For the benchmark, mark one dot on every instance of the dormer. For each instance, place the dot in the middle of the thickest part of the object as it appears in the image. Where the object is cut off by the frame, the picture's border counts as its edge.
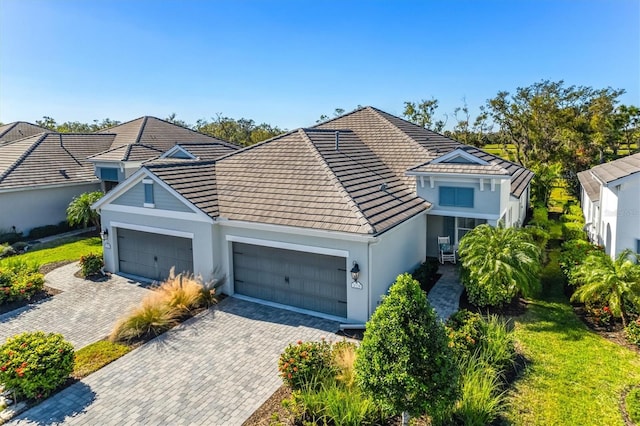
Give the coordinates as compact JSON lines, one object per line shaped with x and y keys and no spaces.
{"x":179,"y":153}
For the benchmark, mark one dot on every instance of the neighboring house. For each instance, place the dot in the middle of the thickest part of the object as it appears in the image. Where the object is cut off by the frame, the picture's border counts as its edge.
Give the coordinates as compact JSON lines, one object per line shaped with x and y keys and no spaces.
{"x":140,"y":140}
{"x":19,"y":130}
{"x":610,"y":197}
{"x":40,"y":175}
{"x":288,"y":220}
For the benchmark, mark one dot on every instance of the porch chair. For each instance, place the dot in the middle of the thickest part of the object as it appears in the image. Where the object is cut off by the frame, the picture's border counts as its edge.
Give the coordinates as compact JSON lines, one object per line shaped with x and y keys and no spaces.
{"x":447,"y":253}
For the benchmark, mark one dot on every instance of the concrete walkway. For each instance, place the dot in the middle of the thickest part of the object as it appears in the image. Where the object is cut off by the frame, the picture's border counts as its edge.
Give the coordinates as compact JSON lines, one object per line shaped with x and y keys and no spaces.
{"x":445,"y":295}
{"x":215,"y":369}
{"x":83,"y":313}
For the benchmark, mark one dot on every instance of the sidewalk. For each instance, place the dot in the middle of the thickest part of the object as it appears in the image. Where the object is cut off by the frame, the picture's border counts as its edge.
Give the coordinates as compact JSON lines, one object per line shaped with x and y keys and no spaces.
{"x":445,"y":295}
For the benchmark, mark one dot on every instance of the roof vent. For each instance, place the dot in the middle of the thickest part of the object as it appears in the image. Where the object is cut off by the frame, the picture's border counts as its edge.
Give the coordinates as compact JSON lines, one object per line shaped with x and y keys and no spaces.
{"x":384,"y":186}
{"x":337,"y":140}
{"x":64,"y":174}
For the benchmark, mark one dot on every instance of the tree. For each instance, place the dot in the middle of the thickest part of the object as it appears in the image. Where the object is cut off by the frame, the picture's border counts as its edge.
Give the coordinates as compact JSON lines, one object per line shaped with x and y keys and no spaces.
{"x":76,"y":126}
{"x":243,"y":131}
{"x":498,"y":263}
{"x":172,"y":119}
{"x":423,"y":114}
{"x":336,"y":113}
{"x":542,"y":183}
{"x":404,"y":361}
{"x":467,"y":132}
{"x":80,"y":211}
{"x":610,"y":281}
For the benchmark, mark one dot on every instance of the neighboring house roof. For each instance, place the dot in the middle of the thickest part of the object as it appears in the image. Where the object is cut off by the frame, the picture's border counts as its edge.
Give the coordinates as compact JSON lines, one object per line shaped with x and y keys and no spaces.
{"x":19,"y":130}
{"x":196,"y":152}
{"x":590,"y":185}
{"x":403,"y":145}
{"x":138,"y":152}
{"x":604,"y":174}
{"x":50,"y":159}
{"x":617,"y":169}
{"x":151,"y":132}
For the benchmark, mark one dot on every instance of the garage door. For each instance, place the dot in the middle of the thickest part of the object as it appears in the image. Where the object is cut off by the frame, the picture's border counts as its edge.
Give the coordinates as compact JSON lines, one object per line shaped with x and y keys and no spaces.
{"x":304,"y":280}
{"x":152,"y":255}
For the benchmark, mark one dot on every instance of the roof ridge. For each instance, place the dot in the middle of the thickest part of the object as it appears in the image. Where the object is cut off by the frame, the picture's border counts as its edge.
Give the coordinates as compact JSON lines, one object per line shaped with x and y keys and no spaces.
{"x":11,"y":126}
{"x":24,"y":155}
{"x":341,"y":189}
{"x":340,"y":116}
{"x":141,"y":130}
{"x":259,"y":144}
{"x":397,"y":129}
{"x":179,"y":163}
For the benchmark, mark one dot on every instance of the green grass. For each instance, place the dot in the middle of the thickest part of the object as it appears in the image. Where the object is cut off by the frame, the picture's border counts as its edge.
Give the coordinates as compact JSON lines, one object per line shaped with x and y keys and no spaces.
{"x":95,"y":356}
{"x":71,"y":248}
{"x":573,"y":375}
{"x":633,"y":404}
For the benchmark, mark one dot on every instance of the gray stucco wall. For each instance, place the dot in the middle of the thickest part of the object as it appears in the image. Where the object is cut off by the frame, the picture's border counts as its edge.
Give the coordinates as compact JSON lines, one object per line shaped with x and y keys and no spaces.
{"x":163,"y":200}
{"x":31,"y":208}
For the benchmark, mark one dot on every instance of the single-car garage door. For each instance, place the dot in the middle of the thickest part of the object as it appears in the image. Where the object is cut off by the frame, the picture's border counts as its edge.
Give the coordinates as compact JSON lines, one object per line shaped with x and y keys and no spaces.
{"x":152,"y":255}
{"x":305,"y":280}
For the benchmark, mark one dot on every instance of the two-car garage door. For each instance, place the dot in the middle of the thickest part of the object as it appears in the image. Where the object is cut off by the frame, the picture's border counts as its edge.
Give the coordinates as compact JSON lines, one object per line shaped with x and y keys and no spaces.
{"x":316,"y":282}
{"x":150,"y":255}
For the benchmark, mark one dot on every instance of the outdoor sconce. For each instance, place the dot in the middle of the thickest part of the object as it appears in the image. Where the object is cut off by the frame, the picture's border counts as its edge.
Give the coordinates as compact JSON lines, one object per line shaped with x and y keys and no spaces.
{"x":355,"y":274}
{"x":104,"y":234}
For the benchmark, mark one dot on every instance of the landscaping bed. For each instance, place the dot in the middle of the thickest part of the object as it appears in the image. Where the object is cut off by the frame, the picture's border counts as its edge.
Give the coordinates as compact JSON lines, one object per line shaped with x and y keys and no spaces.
{"x":38,"y":297}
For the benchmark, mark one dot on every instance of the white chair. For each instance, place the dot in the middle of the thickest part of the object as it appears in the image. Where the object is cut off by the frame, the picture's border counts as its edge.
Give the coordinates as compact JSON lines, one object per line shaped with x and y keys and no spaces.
{"x":447,"y":253}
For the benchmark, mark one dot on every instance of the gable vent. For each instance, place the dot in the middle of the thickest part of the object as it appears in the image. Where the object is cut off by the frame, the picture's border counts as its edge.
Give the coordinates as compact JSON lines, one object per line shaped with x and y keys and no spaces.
{"x":337,"y":140}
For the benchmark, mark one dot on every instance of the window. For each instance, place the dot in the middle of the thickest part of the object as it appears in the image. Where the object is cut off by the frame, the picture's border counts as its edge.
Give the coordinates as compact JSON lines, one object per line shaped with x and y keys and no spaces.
{"x":148,"y":193}
{"x":456,"y":197}
{"x":638,"y":246}
{"x":109,"y":174}
{"x":466,"y":224}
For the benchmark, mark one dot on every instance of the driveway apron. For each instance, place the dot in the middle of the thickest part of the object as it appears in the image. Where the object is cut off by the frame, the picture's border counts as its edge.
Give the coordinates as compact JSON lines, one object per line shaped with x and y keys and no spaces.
{"x":83,"y":313}
{"x":214,"y":369}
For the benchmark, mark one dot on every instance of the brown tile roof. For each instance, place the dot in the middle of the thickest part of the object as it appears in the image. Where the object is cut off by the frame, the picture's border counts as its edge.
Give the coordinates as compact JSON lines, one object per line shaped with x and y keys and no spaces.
{"x":403,"y":145}
{"x":50,"y":159}
{"x":458,"y":168}
{"x":201,"y":152}
{"x":155,"y":133}
{"x":131,"y":152}
{"x":590,"y":184}
{"x":194,"y":181}
{"x":19,"y":130}
{"x":617,"y":169}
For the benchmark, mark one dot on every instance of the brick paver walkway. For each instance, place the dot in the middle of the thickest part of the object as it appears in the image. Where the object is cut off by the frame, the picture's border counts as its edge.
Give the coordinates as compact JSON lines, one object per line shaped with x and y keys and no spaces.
{"x":215,"y":369}
{"x":83,"y":313}
{"x":445,"y":295}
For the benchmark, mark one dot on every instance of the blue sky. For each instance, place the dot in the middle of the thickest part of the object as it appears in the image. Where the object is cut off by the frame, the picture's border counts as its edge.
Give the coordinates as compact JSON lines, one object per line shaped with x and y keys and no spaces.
{"x":288,"y":62}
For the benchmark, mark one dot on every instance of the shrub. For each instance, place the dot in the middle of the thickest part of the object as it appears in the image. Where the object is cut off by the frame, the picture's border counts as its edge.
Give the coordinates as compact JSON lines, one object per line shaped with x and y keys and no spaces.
{"x":35,"y":364}
{"x":404,"y":361}
{"x":6,"y":250}
{"x":182,"y":293}
{"x":344,"y":358}
{"x":539,"y":235}
{"x":335,"y":404}
{"x":465,"y":330}
{"x":426,"y":271}
{"x":48,"y":230}
{"x":306,"y":364}
{"x":19,"y":280}
{"x":498,"y":346}
{"x":91,"y":264}
{"x":573,"y":254}
{"x":632,"y":332}
{"x":632,"y":402}
{"x":10,"y":237}
{"x":573,"y":231}
{"x":152,"y":318}
{"x":481,"y":400}
{"x":540,"y":217}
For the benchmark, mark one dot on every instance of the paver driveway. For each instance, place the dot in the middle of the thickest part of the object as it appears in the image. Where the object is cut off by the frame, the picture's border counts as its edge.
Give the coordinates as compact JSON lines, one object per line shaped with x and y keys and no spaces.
{"x":215,"y":369}
{"x":83,"y":313}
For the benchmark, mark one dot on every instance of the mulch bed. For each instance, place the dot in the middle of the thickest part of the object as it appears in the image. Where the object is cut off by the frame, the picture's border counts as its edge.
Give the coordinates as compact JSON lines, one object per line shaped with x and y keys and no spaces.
{"x":613,"y":332}
{"x":38,"y":297}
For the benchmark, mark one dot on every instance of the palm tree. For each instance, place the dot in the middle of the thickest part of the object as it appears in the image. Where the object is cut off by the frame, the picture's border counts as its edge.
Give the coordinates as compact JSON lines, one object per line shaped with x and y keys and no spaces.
{"x":80,"y":211}
{"x":611,"y":281}
{"x":498,"y":263}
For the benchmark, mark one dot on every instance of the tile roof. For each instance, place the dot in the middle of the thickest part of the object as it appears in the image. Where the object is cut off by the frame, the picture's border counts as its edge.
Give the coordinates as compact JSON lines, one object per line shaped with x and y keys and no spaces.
{"x":50,"y":159}
{"x":617,"y":169}
{"x":131,"y":152}
{"x":19,"y":130}
{"x":201,"y":152}
{"x":154,"y":133}
{"x":592,"y":179}
{"x":590,"y":184}
{"x":464,"y":168}
{"x":403,"y":145}
{"x":196,"y":181}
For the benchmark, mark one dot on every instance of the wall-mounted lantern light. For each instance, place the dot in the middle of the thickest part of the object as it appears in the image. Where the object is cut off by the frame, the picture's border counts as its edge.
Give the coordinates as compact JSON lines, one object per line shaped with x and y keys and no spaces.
{"x":355,"y":272}
{"x":104,"y":234}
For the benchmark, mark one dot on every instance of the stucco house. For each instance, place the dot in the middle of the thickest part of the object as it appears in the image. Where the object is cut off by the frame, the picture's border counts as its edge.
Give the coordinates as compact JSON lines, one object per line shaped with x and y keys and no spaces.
{"x":610,"y":199}
{"x":289,"y":220}
{"x":41,"y":171}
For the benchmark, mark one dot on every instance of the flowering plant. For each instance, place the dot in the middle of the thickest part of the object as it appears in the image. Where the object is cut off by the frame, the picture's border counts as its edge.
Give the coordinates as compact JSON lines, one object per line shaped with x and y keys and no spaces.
{"x":306,"y":363}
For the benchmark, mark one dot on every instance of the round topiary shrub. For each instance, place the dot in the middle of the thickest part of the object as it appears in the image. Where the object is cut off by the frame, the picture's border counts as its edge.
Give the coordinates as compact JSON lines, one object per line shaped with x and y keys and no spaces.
{"x":91,"y":264}
{"x":34,"y":364}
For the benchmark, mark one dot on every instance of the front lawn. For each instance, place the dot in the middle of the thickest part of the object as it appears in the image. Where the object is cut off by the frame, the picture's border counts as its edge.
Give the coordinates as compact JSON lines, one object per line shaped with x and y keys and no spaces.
{"x":573,"y":375}
{"x":68,"y":249}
